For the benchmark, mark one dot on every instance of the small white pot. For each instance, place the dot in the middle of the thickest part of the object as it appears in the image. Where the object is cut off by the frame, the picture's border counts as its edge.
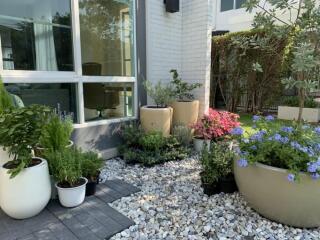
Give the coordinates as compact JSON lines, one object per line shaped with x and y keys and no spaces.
{"x":200,"y":143}
{"x":72,"y":197}
{"x":4,"y":156}
{"x":27,"y":194}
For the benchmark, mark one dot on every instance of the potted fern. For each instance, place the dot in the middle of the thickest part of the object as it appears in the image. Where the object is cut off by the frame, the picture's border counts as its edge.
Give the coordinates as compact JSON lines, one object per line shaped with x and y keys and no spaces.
{"x":5,"y":103}
{"x":185,"y":108}
{"x":25,"y":187}
{"x":157,"y":117}
{"x":67,"y":172}
{"x":91,"y":165}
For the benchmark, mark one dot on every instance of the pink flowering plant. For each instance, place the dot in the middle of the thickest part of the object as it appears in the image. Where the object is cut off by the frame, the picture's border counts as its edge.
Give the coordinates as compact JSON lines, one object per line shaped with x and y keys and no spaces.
{"x":215,"y":124}
{"x":293,"y":147}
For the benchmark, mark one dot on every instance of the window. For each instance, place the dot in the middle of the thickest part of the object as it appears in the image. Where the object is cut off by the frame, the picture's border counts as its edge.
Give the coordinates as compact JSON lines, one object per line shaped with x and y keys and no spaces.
{"x":75,"y":54}
{"x":227,"y":5}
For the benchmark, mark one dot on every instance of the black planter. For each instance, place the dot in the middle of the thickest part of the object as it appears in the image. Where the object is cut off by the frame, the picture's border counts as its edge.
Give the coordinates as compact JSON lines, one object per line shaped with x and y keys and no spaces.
{"x":91,"y":188}
{"x":210,"y":189}
{"x":228,"y":184}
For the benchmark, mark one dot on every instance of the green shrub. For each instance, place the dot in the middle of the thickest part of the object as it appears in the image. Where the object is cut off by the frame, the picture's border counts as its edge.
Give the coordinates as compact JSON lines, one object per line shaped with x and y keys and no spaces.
{"x":91,"y":164}
{"x":152,"y":141}
{"x":5,"y":98}
{"x":162,"y":95}
{"x":293,"y":101}
{"x":183,"y":134}
{"x":56,"y":133}
{"x":131,"y":134}
{"x":66,"y":166}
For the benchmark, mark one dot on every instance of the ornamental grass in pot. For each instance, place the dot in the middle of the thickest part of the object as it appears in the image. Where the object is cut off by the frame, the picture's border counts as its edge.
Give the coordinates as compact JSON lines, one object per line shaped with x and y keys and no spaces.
{"x":24,"y":182}
{"x":67,"y":172}
{"x":157,"y":117}
{"x":185,"y":107}
{"x":278,"y":170}
{"x":91,"y":165}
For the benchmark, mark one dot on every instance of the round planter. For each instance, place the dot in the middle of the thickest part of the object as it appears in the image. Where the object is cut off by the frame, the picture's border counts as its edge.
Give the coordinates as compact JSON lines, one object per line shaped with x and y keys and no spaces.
{"x":91,"y":187}
{"x":28,"y":193}
{"x":156,"y":119}
{"x":268,"y":191}
{"x":228,"y":184}
{"x":72,"y":197}
{"x":200,"y":143}
{"x":185,"y":113}
{"x":4,"y":156}
{"x":39,"y":151}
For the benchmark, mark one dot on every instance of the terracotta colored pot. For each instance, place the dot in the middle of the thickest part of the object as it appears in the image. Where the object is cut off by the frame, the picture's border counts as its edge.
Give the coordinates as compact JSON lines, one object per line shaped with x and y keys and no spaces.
{"x":185,"y":113}
{"x":156,"y":119}
{"x":268,"y":191}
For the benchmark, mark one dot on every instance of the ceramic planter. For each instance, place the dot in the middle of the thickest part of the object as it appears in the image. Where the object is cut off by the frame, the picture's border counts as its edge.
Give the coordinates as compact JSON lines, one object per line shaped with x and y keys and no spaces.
{"x":268,"y":191}
{"x":156,"y":119}
{"x":292,"y":113}
{"x":28,"y":193}
{"x":185,"y":113}
{"x":200,"y":143}
{"x":72,"y":197}
{"x":39,"y":151}
{"x":4,"y":156}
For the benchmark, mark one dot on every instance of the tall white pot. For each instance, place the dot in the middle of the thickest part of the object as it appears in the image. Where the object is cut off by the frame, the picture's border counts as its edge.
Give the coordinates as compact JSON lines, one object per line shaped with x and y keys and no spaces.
{"x":28,"y":193}
{"x":4,"y":156}
{"x":200,"y":143}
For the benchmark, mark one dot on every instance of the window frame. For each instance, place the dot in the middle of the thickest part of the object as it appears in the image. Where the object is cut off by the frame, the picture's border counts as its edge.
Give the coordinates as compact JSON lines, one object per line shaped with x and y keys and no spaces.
{"x":233,"y":8}
{"x":75,"y":76}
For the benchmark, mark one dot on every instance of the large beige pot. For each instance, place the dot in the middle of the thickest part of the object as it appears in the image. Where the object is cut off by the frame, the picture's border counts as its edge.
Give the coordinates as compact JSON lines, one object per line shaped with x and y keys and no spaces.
{"x":156,"y":119}
{"x":185,"y":113}
{"x":268,"y":191}
{"x":292,"y":113}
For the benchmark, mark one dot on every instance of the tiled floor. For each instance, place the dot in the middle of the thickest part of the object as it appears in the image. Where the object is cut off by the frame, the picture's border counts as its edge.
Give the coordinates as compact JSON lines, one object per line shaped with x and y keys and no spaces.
{"x":93,"y":220}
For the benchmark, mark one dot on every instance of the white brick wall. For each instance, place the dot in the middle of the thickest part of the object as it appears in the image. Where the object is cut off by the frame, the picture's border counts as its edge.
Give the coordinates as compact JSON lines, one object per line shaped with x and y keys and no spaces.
{"x":182,"y":41}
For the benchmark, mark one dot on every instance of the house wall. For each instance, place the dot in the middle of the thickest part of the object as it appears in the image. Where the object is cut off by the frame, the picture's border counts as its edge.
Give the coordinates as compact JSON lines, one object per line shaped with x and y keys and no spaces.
{"x":180,"y":41}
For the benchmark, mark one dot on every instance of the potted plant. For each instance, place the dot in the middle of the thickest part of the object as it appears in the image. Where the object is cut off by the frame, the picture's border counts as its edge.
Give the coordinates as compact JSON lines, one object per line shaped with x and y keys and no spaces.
{"x":67,"y":172}
{"x":289,"y":109}
{"x":24,"y":182}
{"x":157,"y":117}
{"x":91,"y":164}
{"x":5,"y":103}
{"x":211,"y":126}
{"x":277,"y":171}
{"x":185,"y":108}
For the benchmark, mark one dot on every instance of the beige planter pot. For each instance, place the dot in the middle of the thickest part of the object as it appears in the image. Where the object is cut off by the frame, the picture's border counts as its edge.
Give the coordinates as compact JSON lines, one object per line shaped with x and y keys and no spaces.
{"x":156,"y":119}
{"x":4,"y":156}
{"x":185,"y":113}
{"x":39,"y":151}
{"x":268,"y":191}
{"x":292,"y":113}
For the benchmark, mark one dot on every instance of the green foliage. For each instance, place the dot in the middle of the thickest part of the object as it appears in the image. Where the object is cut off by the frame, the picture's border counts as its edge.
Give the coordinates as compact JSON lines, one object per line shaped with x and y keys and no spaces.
{"x":91,"y":163}
{"x":5,"y":98}
{"x":131,"y":134}
{"x":183,"y":134}
{"x":293,"y":101}
{"x":162,"y":95}
{"x":56,"y":133}
{"x":182,"y":90}
{"x":20,"y":130}
{"x":150,"y":149}
{"x":217,"y":162}
{"x":66,"y":166}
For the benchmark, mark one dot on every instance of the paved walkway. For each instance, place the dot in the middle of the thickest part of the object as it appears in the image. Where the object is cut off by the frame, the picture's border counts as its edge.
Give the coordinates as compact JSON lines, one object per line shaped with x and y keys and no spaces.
{"x":93,"y":220}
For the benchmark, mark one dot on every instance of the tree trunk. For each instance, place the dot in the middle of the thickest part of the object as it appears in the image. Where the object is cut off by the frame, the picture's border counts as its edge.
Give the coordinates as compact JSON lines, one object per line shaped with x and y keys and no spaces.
{"x":302,"y":96}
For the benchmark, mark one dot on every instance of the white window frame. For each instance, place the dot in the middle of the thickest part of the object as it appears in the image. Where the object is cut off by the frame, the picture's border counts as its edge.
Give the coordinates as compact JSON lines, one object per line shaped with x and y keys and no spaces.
{"x":22,"y":76}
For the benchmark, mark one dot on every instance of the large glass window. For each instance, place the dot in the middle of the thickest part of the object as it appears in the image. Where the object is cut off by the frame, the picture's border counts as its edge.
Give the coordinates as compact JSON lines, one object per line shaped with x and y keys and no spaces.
{"x":107,"y":37}
{"x":36,"y":35}
{"x":108,"y":100}
{"x":61,"y":96}
{"x":227,"y":5}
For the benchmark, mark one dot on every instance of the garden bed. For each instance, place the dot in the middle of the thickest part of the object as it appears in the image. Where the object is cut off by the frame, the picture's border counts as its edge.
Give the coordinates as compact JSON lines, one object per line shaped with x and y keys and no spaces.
{"x":171,"y":205}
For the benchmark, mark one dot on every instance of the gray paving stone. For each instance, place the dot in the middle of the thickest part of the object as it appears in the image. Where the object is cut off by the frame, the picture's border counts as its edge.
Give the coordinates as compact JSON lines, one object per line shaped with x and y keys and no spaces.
{"x":93,"y":220}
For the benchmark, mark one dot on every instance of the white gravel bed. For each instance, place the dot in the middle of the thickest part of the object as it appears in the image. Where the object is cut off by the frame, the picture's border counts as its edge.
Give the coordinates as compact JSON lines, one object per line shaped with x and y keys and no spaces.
{"x":171,"y":205}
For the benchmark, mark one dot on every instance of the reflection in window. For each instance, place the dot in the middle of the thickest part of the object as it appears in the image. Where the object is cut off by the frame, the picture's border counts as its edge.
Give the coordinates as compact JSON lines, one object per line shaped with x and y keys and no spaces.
{"x":226,"y":5}
{"x":107,"y":37}
{"x":36,"y":35}
{"x":58,"y":95}
{"x":108,"y":100}
{"x":239,"y":3}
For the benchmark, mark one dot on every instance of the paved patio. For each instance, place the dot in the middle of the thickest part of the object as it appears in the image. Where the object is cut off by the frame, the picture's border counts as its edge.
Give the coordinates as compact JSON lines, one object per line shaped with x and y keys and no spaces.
{"x":93,"y":220}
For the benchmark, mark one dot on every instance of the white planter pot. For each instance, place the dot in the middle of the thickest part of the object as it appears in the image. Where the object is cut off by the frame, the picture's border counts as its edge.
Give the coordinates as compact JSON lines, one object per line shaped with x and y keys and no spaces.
{"x":4,"y":156}
{"x":39,"y":150}
{"x":28,"y":193}
{"x":72,"y":197}
{"x":200,"y":143}
{"x":292,"y":113}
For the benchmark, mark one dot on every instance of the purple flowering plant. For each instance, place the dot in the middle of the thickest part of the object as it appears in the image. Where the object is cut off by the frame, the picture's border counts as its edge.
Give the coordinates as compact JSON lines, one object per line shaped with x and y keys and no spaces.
{"x":287,"y":146}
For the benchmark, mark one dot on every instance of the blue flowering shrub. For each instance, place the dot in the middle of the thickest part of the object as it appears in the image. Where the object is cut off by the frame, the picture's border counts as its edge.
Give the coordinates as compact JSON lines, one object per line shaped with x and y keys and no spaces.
{"x":293,"y":147}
